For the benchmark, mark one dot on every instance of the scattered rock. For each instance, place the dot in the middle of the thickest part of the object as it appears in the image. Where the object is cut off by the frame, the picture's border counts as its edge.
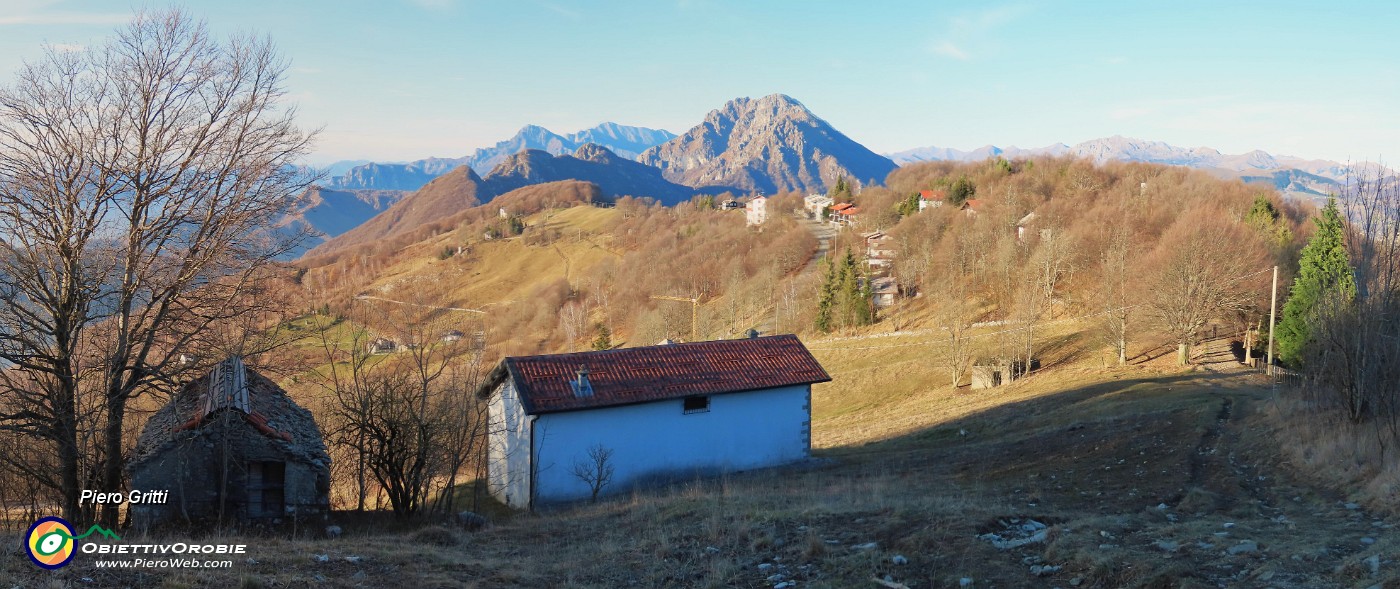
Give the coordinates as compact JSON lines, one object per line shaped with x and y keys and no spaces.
{"x":332,"y":531}
{"x":359,"y":576}
{"x":1167,"y":545}
{"x":1161,"y":507}
{"x":471,"y":521}
{"x":1373,"y":562}
{"x":1244,"y":547}
{"x":319,"y":578}
{"x":1228,"y":525}
{"x":777,"y":578}
{"x":322,"y":558}
{"x":1105,"y":534}
{"x":866,"y":546}
{"x":899,"y":560}
{"x":785,"y":585}
{"x":764,"y":567}
{"x":353,"y":559}
{"x":1077,"y":581}
{"x":1042,"y":570}
{"x":1205,"y":546}
{"x":1352,"y":506}
{"x":832,"y":542}
{"x":1004,"y":544}
{"x":711,"y":550}
{"x":965,"y":582}
{"x":1368,"y":540}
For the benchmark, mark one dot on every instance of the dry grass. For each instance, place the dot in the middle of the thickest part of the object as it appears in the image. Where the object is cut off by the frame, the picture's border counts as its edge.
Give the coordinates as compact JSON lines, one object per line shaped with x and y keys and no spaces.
{"x":921,"y":472}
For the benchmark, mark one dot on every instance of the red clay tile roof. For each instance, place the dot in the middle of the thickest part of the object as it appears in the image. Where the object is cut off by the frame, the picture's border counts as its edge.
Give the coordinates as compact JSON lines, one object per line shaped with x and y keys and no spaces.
{"x":932,"y":194}
{"x":654,"y":373}
{"x":841,"y":206}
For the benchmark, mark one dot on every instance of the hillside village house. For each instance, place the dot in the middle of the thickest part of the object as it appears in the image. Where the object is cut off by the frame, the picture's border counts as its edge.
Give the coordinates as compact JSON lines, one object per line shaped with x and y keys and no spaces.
{"x":879,"y":249}
{"x":381,"y":345}
{"x":231,"y":444}
{"x":883,"y":291}
{"x":815,"y":204}
{"x":844,"y":213}
{"x":663,"y":412}
{"x":757,"y":210}
{"x":931,"y":198}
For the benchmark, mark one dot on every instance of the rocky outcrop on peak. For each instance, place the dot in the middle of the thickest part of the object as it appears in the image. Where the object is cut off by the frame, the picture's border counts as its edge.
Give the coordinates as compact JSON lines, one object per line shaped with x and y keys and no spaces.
{"x":768,"y":144}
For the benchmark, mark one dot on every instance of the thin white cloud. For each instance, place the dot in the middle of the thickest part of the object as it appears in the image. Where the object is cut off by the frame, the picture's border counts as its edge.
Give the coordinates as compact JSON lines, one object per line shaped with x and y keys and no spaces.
{"x":972,"y":33}
{"x":562,"y":10}
{"x":434,"y":4}
{"x":948,"y":49}
{"x":66,"y":18}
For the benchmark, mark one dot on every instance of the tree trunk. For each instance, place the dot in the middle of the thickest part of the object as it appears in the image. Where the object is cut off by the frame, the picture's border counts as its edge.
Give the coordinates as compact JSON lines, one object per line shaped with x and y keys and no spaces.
{"x":1183,"y":354}
{"x":112,"y":461}
{"x":67,"y":435}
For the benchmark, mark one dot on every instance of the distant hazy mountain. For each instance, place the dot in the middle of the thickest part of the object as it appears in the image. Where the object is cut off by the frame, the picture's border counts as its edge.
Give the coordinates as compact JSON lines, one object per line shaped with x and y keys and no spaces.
{"x":449,"y":194}
{"x":444,"y":196}
{"x":328,"y":213}
{"x":620,"y":139}
{"x":339,"y":168}
{"x":1291,"y":175}
{"x":626,"y":142}
{"x":768,"y":144}
{"x":613,"y":175}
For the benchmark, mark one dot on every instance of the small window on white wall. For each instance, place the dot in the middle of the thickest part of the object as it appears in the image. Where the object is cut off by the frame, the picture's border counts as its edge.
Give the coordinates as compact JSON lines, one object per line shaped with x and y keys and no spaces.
{"x":698,"y":404}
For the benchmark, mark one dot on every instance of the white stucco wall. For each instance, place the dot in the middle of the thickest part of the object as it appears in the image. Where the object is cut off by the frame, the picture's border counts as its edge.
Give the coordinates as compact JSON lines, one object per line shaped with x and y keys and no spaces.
{"x":740,"y":431}
{"x":508,"y":461}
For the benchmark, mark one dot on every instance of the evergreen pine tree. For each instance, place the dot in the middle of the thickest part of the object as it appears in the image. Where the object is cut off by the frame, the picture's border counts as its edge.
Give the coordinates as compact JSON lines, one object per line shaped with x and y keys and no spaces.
{"x":604,"y":339}
{"x":1324,"y":270}
{"x":826,"y":295}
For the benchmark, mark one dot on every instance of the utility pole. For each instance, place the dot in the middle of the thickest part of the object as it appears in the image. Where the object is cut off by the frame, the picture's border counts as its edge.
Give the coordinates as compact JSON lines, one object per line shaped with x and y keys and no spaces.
{"x":1273,"y":305}
{"x":694,"y":311}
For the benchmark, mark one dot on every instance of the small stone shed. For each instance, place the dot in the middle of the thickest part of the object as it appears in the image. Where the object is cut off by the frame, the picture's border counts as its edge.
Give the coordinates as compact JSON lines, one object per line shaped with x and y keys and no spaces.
{"x":231,"y":445}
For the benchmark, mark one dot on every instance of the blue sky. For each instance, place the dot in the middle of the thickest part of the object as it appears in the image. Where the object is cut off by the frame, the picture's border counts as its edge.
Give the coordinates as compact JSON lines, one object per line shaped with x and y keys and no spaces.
{"x":406,"y":79}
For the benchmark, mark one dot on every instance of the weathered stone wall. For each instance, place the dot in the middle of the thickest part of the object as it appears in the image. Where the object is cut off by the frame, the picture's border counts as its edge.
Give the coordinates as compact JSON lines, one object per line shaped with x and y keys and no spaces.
{"x":200,"y":459}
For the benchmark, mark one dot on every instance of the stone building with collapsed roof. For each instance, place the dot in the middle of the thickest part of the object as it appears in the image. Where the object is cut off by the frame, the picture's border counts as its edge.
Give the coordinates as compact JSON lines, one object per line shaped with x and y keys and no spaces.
{"x":660,"y":412}
{"x":231,"y":445}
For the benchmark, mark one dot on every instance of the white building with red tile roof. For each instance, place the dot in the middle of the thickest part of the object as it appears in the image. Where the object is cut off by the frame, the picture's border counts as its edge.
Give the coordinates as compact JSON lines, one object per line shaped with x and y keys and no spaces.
{"x":661,"y":412}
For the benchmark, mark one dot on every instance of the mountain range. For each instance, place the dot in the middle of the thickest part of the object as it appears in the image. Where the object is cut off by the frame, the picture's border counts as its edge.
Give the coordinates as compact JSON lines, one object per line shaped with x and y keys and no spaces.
{"x":622,"y":140}
{"x":609,"y":175}
{"x":1293,"y":176}
{"x":769,"y":144}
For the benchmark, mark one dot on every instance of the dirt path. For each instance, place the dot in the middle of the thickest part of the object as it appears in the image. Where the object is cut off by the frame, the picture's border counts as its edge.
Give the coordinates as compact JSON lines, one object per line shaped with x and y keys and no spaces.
{"x":1193,"y":495}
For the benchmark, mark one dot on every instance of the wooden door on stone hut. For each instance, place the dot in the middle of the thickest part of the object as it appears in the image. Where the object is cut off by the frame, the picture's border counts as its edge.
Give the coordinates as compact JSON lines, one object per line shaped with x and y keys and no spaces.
{"x":267,"y":483}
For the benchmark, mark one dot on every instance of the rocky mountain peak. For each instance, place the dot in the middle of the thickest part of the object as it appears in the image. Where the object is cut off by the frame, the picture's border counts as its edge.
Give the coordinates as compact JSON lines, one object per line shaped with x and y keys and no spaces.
{"x":769,"y":144}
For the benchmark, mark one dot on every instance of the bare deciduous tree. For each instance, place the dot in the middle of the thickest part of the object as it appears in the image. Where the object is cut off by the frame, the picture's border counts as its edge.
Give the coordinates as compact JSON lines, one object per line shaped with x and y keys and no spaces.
{"x":138,"y":183}
{"x":596,"y":470}
{"x":1206,"y":267}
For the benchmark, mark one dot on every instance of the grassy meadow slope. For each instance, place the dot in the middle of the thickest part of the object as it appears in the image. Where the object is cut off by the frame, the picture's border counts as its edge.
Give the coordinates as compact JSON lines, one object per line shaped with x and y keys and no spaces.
{"x":1144,"y":477}
{"x":1083,"y":475}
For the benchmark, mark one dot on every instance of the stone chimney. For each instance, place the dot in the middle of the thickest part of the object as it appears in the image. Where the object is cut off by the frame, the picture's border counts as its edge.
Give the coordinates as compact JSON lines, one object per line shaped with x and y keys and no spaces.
{"x":582,"y":388}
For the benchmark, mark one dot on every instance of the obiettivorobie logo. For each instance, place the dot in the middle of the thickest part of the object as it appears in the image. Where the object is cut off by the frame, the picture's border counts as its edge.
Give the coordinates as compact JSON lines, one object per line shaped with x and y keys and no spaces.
{"x":51,"y":543}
